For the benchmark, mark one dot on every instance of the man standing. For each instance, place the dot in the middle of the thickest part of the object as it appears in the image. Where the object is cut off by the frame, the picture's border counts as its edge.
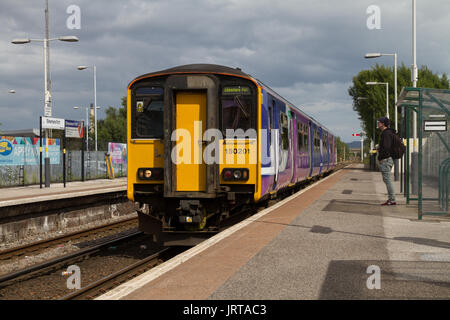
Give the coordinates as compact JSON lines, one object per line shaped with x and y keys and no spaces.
{"x":385,"y":159}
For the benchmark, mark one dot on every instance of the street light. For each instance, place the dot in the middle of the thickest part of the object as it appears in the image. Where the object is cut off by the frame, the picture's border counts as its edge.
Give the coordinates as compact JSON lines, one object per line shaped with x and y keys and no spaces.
{"x":377,"y":55}
{"x":87,"y":126}
{"x":95,"y":99}
{"x":371,"y":83}
{"x":12,"y":91}
{"x":47,"y":90}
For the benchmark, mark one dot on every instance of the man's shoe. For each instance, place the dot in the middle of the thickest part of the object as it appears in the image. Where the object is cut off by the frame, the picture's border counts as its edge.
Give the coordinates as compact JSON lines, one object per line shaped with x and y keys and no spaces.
{"x":389,"y":203}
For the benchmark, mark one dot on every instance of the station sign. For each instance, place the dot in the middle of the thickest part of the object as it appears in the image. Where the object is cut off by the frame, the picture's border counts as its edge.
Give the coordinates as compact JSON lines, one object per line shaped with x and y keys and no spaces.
{"x":53,"y":123}
{"x":435,"y":125}
{"x":74,"y":129}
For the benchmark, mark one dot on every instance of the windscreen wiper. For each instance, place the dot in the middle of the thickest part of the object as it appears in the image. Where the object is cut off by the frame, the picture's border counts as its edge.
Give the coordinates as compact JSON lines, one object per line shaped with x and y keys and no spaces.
{"x":241,"y":106}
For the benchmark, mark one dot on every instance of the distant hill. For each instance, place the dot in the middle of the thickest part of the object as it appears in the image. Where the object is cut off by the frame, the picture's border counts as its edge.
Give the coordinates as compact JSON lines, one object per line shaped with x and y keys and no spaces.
{"x":354,"y":144}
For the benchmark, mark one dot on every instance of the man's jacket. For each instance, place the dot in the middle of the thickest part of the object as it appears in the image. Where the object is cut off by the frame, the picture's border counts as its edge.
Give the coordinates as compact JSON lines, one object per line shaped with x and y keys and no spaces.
{"x":385,"y":145}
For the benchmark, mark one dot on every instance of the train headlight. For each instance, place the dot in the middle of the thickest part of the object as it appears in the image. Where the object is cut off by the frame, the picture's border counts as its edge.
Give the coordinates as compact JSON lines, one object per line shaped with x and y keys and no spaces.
{"x":237,"y":174}
{"x":151,"y":173}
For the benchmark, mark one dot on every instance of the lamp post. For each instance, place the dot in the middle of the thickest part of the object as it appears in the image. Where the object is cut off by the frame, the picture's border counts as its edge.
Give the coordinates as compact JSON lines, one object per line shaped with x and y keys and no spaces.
{"x":376,"y":55}
{"x":414,"y":73}
{"x":47,"y":84}
{"x":95,"y":99}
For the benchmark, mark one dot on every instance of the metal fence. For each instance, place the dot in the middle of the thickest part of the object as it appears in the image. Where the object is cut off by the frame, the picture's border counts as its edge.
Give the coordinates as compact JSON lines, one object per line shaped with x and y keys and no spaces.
{"x":94,"y":168}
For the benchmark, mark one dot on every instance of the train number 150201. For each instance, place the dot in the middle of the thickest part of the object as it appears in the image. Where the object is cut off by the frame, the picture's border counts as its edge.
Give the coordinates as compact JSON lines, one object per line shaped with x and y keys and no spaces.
{"x":237,"y":151}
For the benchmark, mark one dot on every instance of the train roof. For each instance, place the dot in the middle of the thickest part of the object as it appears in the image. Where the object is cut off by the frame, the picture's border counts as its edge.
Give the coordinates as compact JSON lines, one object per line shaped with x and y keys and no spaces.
{"x":198,"y":68}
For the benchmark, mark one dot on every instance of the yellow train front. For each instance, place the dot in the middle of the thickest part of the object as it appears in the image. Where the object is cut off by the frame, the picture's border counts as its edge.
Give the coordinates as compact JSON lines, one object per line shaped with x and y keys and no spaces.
{"x":192,"y":149}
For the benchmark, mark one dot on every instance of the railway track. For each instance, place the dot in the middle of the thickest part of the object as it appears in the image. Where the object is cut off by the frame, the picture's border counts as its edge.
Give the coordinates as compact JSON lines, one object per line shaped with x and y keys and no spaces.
{"x":111,"y":281}
{"x":36,"y":247}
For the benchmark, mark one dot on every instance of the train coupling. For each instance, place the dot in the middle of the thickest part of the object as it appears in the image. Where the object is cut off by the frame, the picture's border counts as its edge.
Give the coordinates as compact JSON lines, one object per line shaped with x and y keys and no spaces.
{"x":191,"y":211}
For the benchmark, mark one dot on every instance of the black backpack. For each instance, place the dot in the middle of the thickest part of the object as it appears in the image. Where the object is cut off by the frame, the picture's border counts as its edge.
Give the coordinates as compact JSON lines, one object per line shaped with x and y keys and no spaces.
{"x":398,"y":148}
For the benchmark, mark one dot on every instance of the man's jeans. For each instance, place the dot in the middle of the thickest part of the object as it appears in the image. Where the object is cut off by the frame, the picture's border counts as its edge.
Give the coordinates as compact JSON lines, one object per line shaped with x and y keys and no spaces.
{"x":385,"y":168}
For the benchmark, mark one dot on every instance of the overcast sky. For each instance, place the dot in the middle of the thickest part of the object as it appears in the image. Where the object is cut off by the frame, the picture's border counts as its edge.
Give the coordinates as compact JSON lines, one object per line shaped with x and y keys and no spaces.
{"x":306,"y":50}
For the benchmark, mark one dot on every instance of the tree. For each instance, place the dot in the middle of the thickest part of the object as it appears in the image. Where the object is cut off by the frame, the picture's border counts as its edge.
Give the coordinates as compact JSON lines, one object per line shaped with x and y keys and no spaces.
{"x":372,"y":99}
{"x":342,"y":148}
{"x":114,"y":127}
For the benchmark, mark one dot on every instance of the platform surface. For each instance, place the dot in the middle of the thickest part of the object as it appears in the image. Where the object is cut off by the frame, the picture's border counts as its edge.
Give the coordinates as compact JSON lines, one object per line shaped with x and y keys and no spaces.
{"x":33,"y":193}
{"x":332,"y":240}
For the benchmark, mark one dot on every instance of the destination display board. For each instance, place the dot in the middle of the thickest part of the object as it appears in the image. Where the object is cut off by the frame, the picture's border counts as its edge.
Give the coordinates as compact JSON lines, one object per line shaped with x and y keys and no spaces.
{"x":233,"y":90}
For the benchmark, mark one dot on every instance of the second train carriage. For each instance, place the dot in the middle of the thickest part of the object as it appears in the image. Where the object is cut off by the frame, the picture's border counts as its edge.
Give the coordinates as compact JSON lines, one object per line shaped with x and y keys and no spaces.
{"x":205,"y":139}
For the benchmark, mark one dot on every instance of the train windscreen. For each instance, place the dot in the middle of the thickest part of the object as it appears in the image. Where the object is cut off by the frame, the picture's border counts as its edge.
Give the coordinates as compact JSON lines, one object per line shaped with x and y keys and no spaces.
{"x":236,"y":108}
{"x":148,"y":113}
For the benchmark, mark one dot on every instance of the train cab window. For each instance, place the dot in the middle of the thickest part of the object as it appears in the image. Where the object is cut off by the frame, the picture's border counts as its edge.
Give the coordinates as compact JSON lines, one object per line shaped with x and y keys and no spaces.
{"x":236,"y":105}
{"x":148,"y":112}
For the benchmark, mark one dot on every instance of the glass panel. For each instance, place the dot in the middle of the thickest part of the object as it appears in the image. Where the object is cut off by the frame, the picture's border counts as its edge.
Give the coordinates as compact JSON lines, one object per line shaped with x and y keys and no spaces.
{"x":148,"y":112}
{"x":236,"y":113}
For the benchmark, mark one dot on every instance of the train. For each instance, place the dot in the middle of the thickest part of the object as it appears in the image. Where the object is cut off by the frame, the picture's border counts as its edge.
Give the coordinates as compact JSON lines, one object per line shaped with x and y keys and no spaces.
{"x":204,"y":140}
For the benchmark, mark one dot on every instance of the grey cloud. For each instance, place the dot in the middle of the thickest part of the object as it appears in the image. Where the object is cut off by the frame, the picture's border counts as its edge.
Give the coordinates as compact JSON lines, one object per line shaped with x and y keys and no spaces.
{"x":307,"y":50}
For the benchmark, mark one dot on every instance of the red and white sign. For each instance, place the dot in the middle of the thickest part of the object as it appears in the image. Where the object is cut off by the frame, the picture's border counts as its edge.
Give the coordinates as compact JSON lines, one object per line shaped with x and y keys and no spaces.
{"x":356,"y":134}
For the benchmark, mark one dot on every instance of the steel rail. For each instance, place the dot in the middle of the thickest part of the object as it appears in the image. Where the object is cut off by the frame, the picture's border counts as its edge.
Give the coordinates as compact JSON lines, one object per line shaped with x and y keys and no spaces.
{"x":32,"y":247}
{"x":63,"y":259}
{"x":116,"y":278}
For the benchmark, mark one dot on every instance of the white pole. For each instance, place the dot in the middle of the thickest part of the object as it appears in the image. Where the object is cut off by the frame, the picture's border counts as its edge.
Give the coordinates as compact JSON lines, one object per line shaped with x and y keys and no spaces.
{"x":395,"y":91}
{"x":362,"y":145}
{"x":387,"y":100}
{"x":47,"y":94}
{"x":87,"y":129}
{"x":414,"y":71}
{"x":95,"y":105}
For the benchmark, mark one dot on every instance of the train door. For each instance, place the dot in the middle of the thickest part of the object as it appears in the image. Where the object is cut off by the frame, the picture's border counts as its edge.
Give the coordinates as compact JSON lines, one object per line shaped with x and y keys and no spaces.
{"x":292,"y":144}
{"x":275,"y":139}
{"x":190,"y":124}
{"x":320,"y":136}
{"x":312,"y":149}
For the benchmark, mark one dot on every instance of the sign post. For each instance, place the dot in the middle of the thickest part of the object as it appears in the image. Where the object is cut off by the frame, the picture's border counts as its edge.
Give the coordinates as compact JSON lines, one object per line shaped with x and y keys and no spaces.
{"x":75,"y":129}
{"x":49,"y":123}
{"x":362,"y":143}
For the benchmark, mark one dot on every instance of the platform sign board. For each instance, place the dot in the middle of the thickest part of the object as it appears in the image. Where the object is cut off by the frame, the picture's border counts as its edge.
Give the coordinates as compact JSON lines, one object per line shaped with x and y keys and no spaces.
{"x":52,"y":123}
{"x":74,"y":129}
{"x":435,"y":125}
{"x":118,"y":152}
{"x":19,"y":151}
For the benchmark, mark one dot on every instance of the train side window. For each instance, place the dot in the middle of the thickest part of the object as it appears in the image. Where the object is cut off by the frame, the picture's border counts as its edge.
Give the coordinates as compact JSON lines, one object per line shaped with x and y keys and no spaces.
{"x":306,"y":136}
{"x":148,"y":112}
{"x":284,"y":131}
{"x":299,"y":135}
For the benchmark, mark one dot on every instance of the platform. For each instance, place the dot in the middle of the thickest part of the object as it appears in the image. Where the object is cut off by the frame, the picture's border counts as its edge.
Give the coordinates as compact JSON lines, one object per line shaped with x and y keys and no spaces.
{"x":33,"y":193}
{"x":332,"y":240}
